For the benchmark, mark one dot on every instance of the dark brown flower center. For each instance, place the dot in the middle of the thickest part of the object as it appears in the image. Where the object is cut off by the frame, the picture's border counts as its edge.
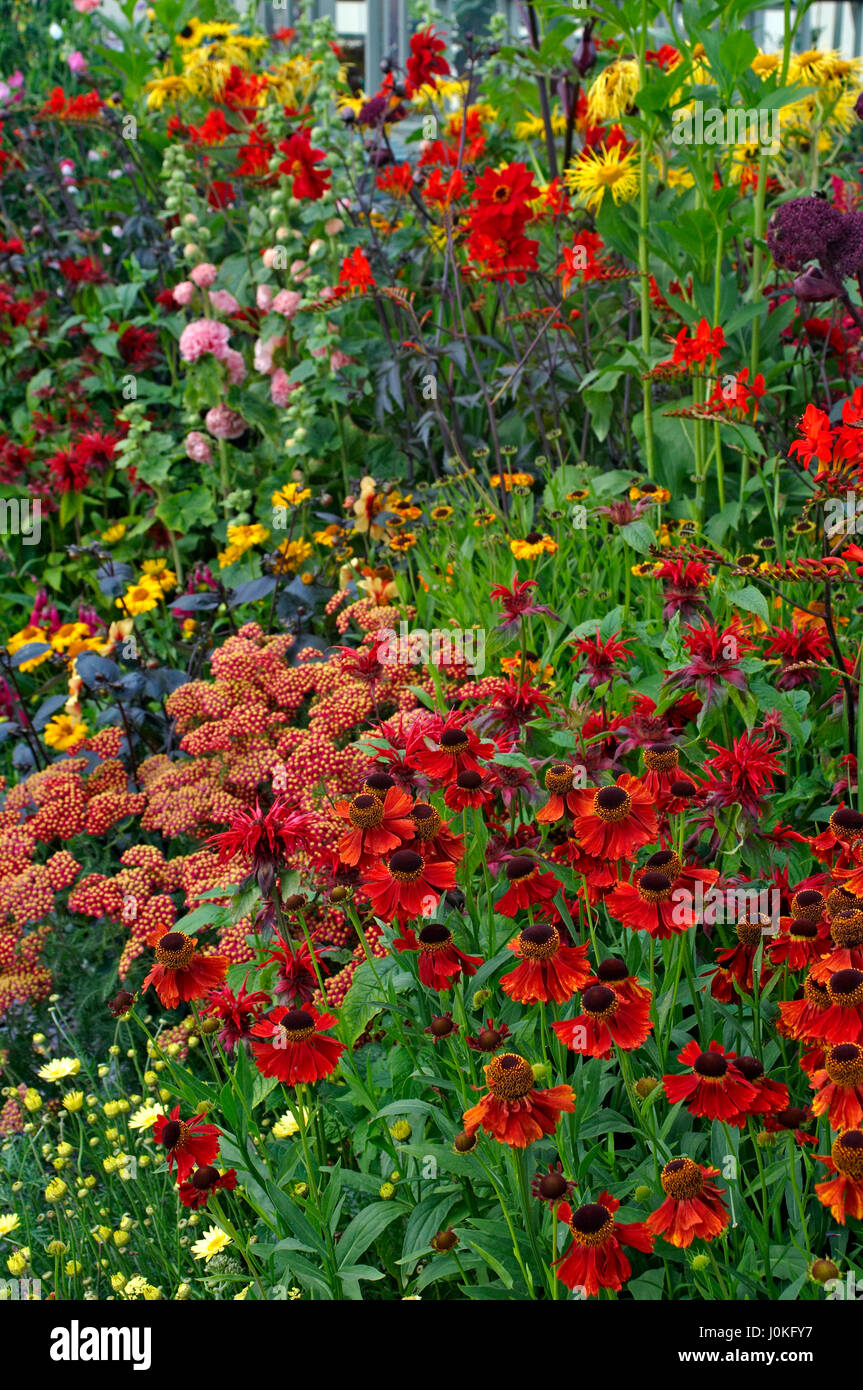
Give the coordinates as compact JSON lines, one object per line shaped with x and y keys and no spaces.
{"x":426,"y":821}
{"x":469,"y":781}
{"x":654,"y":887}
{"x":539,"y":941}
{"x":711,"y":1064}
{"x":682,"y":788}
{"x":435,"y":937}
{"x":599,"y":1001}
{"x":847,"y":825}
{"x":845,"y":988}
{"x":205,"y":1177}
{"x":682,"y":1179}
{"x":366,"y":811}
{"x":592,"y":1224}
{"x":175,"y":950}
{"x":612,"y":804}
{"x":453,"y":740}
{"x":559,"y":779}
{"x":661,"y":757}
{"x":406,"y":865}
{"x":509,"y":1077}
{"x":378,"y":784}
{"x":612,"y":969}
{"x":750,"y":1067}
{"x":175,"y":1134}
{"x":665,"y":861}
{"x":519,"y":867}
{"x":847,"y":1153}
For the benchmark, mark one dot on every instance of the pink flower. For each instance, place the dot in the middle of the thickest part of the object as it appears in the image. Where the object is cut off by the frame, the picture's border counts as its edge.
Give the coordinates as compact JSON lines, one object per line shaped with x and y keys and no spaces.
{"x":281,"y":388}
{"x":264,"y":351}
{"x":287,"y":302}
{"x":77,"y":63}
{"x":202,"y":336}
{"x":204,"y":275}
{"x":224,"y":423}
{"x":339,"y":359}
{"x":233,"y":360}
{"x":86,"y":6}
{"x":184,"y":292}
{"x":224,"y":302}
{"x":198,"y":447}
{"x":264,"y":298}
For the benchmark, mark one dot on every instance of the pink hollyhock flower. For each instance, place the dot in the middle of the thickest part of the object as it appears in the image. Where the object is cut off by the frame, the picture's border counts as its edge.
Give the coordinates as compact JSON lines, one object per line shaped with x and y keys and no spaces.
{"x":287,"y":302}
{"x":281,"y":389}
{"x":224,"y":302}
{"x":264,"y":297}
{"x":264,"y":351}
{"x":233,"y":360}
{"x":224,"y":423}
{"x":86,"y":6}
{"x":202,"y":336}
{"x":77,"y":63}
{"x":339,"y":359}
{"x":198,"y":447}
{"x":183,"y":293}
{"x":204,"y":275}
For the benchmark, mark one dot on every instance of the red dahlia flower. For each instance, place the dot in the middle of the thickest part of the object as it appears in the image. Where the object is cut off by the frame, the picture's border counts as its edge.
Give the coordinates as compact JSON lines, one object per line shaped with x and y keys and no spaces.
{"x":186,"y":1142}
{"x":515,"y":1112}
{"x":180,"y":974}
{"x":713,"y":1087}
{"x":442,"y":964}
{"x":550,"y":972}
{"x":407,"y":885}
{"x":693,"y":1207}
{"x":595,"y":1260}
{"x":292,"y":1045}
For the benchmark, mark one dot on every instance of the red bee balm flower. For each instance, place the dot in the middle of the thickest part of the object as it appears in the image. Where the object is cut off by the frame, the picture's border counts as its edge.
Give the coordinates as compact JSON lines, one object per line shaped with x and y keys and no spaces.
{"x":292,"y":1045}
{"x":595,"y":1260}
{"x":613,"y":822}
{"x":528,"y":885}
{"x":713,"y":1087}
{"x":515,"y":1112}
{"x":180,"y":973}
{"x":407,"y":885}
{"x":187,"y":1142}
{"x":693,"y":1206}
{"x":843,"y":1195}
{"x":441,"y":963}
{"x":549,"y":973}
{"x":376,"y":826}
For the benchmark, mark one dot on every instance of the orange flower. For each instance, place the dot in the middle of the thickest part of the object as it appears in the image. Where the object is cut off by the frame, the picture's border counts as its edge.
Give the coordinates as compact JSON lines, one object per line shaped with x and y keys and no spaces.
{"x":180,"y":973}
{"x":595,"y":1260}
{"x":693,"y":1206}
{"x":377,"y":826}
{"x":843,"y":1195}
{"x":613,"y":822}
{"x":515,"y":1112}
{"x":550,"y":972}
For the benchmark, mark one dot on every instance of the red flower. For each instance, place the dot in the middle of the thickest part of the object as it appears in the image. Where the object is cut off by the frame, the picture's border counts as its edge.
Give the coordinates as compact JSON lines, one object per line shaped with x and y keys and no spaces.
{"x":595,"y":1260}
{"x":442,"y":964}
{"x":69,"y":472}
{"x":655,"y":903}
{"x":425,"y":61}
{"x":456,"y":748}
{"x":842,"y":1020}
{"x":377,"y":826}
{"x":517,"y":602}
{"x":292,"y":1045}
{"x":407,"y":885}
{"x":237,"y":1011}
{"x":204,"y":1182}
{"x":528,"y":885}
{"x":843,"y":1195}
{"x":800,"y":1018}
{"x":266,"y":839}
{"x":817,"y":441}
{"x":612,"y":1014}
{"x":297,"y":976}
{"x":601,"y":658}
{"x":180,"y":973}
{"x":693,"y":1207}
{"x":468,"y":789}
{"x":713,"y":1087}
{"x":356,"y":273}
{"x":515,"y":1112}
{"x":559,"y":781}
{"x":736,"y":963}
{"x":613,"y":822}
{"x":550,"y":972}
{"x":186,"y":1142}
{"x":799,"y":942}
{"x":745,"y":771}
{"x":839,"y":1087}
{"x":300,"y":163}
{"x":699,"y":348}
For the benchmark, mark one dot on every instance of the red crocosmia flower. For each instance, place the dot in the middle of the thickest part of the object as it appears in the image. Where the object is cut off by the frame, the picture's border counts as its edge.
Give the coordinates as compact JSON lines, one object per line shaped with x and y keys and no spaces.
{"x":613,"y":822}
{"x":517,"y":602}
{"x":186,"y":1142}
{"x":601,"y":658}
{"x":800,"y":1018}
{"x":693,"y":1207}
{"x":236,"y":1011}
{"x":842,"y":1020}
{"x":655,"y":903}
{"x":737,"y":962}
{"x":818,"y":439}
{"x":550,"y":972}
{"x":377,"y":826}
{"x":300,"y":164}
{"x":528,"y":885}
{"x":713,"y":1087}
{"x":292,"y":1044}
{"x":433,"y":838}
{"x":297,"y":975}
{"x":181,"y":973}
{"x":610,"y":1016}
{"x":468,"y":789}
{"x":839,"y":1086}
{"x":356,"y":273}
{"x":596,"y":1259}
{"x":799,"y":942}
{"x":407,"y":886}
{"x":204,"y":1182}
{"x":700,"y":348}
{"x":770,"y":1096}
{"x":456,"y":749}
{"x":425,"y":61}
{"x":515,"y":1112}
{"x":843,"y":1195}
{"x":559,"y":782}
{"x":442,"y":964}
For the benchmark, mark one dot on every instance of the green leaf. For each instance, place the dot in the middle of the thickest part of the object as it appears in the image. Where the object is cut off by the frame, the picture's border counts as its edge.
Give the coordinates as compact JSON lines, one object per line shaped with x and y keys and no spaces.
{"x":365,"y":1228}
{"x":751,"y":600}
{"x":639,"y":535}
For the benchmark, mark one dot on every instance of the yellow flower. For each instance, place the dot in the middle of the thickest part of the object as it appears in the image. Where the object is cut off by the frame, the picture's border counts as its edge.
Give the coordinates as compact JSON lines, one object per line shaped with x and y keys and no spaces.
{"x":287,"y":1125}
{"x":596,"y":170}
{"x":765,"y":64}
{"x":404,"y":542}
{"x":612,"y":92}
{"x":56,"y":1248}
{"x":293,"y":554}
{"x":141,"y":597}
{"x":55,"y":1190}
{"x":118,"y":1282}
{"x":24,"y":638}
{"x":17,"y":1263}
{"x":212,"y":1241}
{"x":291,"y":495}
{"x":138,"y":1287}
{"x":67,"y":635}
{"x":59,"y":1069}
{"x":511,"y":480}
{"x":241,"y":539}
{"x":532,"y":546}
{"x":401,"y":1130}
{"x":146,"y":1116}
{"x":158,"y":570}
{"x":63,"y":732}
{"x":32,"y":1101}
{"x":160,"y":90}
{"x":73,"y":1268}
{"x":114,"y":533}
{"x":8,"y":1224}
